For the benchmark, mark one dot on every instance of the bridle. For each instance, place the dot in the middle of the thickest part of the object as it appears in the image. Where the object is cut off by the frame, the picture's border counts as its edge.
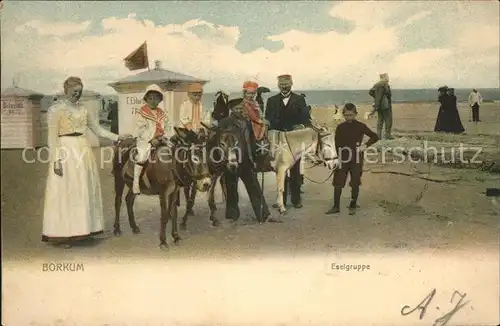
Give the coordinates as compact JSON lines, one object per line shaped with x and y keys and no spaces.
{"x":320,"y":149}
{"x":187,"y":164}
{"x":218,"y":134}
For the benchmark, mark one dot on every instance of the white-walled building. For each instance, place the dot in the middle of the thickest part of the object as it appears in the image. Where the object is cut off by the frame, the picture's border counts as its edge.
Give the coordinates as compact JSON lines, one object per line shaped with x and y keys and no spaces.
{"x":22,"y":123}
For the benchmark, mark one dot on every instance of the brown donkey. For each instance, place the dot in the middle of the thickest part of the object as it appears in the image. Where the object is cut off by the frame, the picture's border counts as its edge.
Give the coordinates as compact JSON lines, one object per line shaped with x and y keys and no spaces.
{"x":223,"y":157}
{"x":172,"y":165}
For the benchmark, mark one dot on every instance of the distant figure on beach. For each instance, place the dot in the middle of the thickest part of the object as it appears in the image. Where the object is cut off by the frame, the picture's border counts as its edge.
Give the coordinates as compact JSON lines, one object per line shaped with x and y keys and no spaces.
{"x":381,"y":93}
{"x":455,"y":124}
{"x":475,"y":100}
{"x":448,"y":119}
{"x":438,"y":127}
{"x":113,"y":115}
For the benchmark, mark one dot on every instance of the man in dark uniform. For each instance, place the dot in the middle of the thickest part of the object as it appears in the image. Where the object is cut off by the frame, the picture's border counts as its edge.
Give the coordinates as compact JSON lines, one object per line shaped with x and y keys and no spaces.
{"x":285,"y":112}
{"x":246,"y":170}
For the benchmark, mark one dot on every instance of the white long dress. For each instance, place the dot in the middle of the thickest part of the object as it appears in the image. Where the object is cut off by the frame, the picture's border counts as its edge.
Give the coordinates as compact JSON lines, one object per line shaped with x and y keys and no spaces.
{"x":73,"y":202}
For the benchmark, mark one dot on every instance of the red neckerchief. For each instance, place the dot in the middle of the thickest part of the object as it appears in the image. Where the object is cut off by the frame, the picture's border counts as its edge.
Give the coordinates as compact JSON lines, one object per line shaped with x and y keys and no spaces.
{"x":251,"y":105}
{"x":158,"y":118}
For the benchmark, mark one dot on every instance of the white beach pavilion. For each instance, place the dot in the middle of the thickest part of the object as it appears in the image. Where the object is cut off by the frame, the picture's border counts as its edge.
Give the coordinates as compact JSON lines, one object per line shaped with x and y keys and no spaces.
{"x":23,"y":124}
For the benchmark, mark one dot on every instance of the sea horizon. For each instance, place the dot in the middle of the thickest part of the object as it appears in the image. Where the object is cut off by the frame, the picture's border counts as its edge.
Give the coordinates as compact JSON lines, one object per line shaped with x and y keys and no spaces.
{"x":339,"y":97}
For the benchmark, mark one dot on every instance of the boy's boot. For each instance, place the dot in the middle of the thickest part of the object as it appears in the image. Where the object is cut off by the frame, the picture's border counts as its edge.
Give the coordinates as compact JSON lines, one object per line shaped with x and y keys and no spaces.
{"x":137,"y":176}
{"x":354,"y":199}
{"x":337,"y":192}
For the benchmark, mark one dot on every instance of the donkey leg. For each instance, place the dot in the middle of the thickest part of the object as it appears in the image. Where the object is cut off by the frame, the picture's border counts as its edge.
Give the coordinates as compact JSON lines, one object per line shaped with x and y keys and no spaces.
{"x":224,"y":189}
{"x":211,"y":193}
{"x":119,"y":187}
{"x":191,"y":199}
{"x":189,"y":202}
{"x":189,"y":205}
{"x":280,"y":184}
{"x":186,"y":214}
{"x":211,"y":202}
{"x":172,"y":209}
{"x":163,"y":219}
{"x":130,"y":199}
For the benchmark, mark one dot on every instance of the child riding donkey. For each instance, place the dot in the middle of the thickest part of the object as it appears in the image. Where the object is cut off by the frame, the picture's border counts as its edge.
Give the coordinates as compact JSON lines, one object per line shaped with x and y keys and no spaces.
{"x":252,"y":111}
{"x":151,"y":125}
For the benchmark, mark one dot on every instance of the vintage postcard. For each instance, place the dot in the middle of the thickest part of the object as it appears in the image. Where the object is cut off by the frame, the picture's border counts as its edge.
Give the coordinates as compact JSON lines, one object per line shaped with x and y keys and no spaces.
{"x":250,"y":163}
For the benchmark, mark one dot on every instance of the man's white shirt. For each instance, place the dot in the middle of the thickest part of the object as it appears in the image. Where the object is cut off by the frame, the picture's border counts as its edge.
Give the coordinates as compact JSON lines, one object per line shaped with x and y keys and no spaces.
{"x":475,"y":98}
{"x":287,"y":98}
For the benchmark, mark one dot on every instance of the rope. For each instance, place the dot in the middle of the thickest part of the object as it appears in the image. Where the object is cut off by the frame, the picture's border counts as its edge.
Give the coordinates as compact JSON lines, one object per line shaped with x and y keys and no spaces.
{"x":316,"y":182}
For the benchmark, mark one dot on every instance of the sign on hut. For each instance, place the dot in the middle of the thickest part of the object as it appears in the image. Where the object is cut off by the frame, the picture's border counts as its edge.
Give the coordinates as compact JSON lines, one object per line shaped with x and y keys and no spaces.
{"x":22,"y":122}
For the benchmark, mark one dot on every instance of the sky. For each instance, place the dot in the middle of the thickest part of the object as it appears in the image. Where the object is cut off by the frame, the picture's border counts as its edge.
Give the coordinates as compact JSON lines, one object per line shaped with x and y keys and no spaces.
{"x":324,"y":45}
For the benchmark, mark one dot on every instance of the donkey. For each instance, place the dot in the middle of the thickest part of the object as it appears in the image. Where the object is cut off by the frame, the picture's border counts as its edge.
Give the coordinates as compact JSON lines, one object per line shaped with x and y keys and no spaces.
{"x":222,"y":146}
{"x":287,"y":147}
{"x":224,"y":154}
{"x":172,"y":165}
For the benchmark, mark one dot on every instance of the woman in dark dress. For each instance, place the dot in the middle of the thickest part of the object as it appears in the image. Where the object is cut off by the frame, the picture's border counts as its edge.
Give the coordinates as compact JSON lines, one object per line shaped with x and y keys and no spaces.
{"x":448,"y":117}
{"x":453,"y":124}
{"x":440,"y":118}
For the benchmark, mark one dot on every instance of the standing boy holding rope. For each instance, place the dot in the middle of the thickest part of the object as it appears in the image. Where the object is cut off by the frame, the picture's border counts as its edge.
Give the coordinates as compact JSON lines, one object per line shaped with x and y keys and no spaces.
{"x":348,"y":138}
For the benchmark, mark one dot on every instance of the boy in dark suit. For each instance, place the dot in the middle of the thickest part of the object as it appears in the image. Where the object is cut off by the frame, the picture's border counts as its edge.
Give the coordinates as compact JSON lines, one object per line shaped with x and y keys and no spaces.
{"x":348,"y":138}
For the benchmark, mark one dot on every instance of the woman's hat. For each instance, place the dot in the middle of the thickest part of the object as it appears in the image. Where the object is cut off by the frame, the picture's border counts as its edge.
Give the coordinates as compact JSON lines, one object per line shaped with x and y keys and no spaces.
{"x":153,"y":88}
{"x":443,"y":88}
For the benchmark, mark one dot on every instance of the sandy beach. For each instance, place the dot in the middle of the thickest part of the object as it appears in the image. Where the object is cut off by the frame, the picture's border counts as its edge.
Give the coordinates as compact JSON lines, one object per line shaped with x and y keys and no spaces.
{"x":416,"y":234}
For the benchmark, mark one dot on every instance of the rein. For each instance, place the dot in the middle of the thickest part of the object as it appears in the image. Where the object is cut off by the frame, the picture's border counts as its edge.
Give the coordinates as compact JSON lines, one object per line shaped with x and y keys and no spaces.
{"x":186,"y":181}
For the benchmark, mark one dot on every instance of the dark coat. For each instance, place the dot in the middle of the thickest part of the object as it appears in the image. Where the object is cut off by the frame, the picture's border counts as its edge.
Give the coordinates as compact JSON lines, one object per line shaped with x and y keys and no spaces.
{"x":260,"y":101}
{"x":448,"y":117}
{"x":382,"y":97}
{"x":286,"y":118}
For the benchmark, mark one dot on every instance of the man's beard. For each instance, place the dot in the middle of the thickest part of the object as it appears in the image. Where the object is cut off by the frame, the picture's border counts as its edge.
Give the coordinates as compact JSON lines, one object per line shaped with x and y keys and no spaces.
{"x":286,"y":91}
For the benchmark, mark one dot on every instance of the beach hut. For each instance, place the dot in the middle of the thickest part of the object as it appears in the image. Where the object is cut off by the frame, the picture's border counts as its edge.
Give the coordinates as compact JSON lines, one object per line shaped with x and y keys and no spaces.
{"x":130,"y":90}
{"x":92,"y":101}
{"x":22,"y":123}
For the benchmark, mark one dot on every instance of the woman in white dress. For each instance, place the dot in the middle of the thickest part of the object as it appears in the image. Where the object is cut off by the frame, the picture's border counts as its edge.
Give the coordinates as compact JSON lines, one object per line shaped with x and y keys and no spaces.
{"x":73,"y":203}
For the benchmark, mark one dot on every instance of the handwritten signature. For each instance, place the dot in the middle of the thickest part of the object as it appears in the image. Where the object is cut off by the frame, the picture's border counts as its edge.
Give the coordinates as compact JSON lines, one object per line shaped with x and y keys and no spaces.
{"x":422,"y":306}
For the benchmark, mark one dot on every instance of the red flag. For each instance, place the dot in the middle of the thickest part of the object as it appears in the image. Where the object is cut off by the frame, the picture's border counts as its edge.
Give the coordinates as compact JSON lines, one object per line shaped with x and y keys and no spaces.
{"x":138,"y":59}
